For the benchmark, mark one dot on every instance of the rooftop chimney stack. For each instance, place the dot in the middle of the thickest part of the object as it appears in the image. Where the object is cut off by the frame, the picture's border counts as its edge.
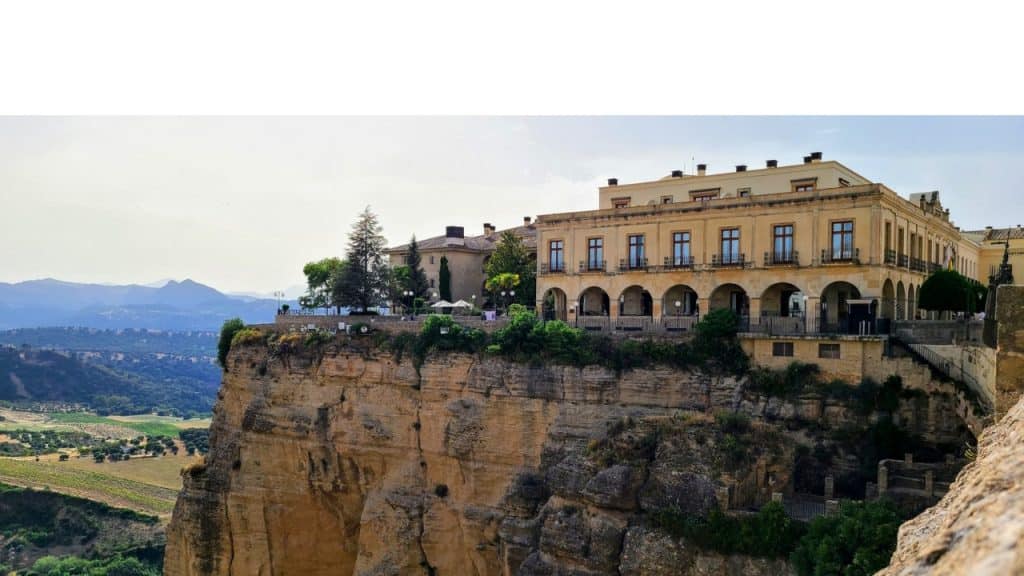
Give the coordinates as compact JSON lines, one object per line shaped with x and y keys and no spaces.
{"x":454,"y":232}
{"x":613,"y":181}
{"x":677,"y":173}
{"x":488,"y":228}
{"x":741,"y":168}
{"x":702,"y":169}
{"x":772,"y":164}
{"x":807,"y":159}
{"x":526,"y":220}
{"x":815,"y":157}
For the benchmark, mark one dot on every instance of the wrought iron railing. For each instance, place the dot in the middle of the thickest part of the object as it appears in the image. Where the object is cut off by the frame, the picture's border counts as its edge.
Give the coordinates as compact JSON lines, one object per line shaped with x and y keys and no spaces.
{"x":679,"y":262}
{"x":890,"y":257}
{"x":627,"y":264}
{"x":851,"y":256}
{"x":552,"y":268}
{"x":728,"y":259}
{"x":902,"y":260}
{"x":917,"y":265}
{"x":592,"y":265}
{"x":785,"y":258}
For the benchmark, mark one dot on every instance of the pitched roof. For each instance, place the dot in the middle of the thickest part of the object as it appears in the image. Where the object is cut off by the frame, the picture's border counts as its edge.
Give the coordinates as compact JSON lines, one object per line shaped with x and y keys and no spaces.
{"x":998,"y":234}
{"x":481,"y":243}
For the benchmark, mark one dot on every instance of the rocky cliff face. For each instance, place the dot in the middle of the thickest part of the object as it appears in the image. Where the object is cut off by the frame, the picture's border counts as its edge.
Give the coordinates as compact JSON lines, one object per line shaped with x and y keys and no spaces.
{"x":350,"y":461}
{"x":978,"y":527}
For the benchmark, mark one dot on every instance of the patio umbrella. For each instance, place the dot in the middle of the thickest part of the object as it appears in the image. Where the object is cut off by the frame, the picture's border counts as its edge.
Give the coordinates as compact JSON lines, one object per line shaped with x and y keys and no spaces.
{"x":462,"y":304}
{"x":441,"y":304}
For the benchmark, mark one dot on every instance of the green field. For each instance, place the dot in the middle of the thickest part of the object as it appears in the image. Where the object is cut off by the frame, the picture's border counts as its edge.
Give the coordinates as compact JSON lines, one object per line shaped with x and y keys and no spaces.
{"x":145,"y":424}
{"x":147,"y":427}
{"x":105,"y":486}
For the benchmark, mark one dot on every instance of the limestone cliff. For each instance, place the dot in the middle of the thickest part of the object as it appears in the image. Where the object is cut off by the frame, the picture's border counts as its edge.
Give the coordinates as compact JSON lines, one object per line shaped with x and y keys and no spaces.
{"x":347,"y":460}
{"x":978,"y":527}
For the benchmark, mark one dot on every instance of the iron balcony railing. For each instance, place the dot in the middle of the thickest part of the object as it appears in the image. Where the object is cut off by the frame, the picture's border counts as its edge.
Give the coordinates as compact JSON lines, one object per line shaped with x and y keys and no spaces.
{"x":933,"y":267}
{"x":627,"y":264}
{"x":902,"y":260}
{"x":728,"y":259}
{"x":785,"y":258}
{"x":841,"y":256}
{"x":890,"y":257}
{"x":592,"y":265}
{"x":552,"y":268}
{"x":917,"y":265}
{"x":679,"y":262}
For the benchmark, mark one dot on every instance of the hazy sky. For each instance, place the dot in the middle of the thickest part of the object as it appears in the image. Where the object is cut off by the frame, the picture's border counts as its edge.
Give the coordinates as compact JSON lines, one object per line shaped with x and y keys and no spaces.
{"x":242,"y":203}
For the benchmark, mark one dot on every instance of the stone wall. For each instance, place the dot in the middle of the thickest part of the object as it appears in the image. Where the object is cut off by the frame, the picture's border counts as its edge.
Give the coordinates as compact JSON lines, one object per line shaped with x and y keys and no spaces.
{"x":1009,"y":347}
{"x":857,"y":354}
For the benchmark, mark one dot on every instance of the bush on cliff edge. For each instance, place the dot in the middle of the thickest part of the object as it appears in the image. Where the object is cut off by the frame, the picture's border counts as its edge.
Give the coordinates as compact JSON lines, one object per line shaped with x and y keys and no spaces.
{"x":227,"y":334}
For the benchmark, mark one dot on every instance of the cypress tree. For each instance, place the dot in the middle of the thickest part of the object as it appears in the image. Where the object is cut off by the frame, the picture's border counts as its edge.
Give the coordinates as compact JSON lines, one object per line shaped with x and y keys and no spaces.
{"x":417,"y":277}
{"x":444,"y":279}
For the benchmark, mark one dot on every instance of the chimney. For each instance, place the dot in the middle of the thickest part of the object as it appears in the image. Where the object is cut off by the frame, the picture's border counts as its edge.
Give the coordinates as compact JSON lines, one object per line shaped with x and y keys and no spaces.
{"x":488,"y":228}
{"x":772,"y":164}
{"x":613,"y":181}
{"x":677,"y":173}
{"x":741,"y":168}
{"x":815,"y":157}
{"x":702,"y":169}
{"x":454,"y":232}
{"x":807,"y":159}
{"x":526,"y":220}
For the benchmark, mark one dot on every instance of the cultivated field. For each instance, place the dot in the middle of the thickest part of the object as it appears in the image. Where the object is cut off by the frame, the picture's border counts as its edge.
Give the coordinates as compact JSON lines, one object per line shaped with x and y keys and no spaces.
{"x":146,"y":484}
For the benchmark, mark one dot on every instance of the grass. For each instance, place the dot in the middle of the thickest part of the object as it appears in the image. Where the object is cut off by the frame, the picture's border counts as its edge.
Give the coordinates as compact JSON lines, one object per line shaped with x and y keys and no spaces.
{"x":163,"y":471}
{"x":105,"y":486}
{"x":144,"y":424}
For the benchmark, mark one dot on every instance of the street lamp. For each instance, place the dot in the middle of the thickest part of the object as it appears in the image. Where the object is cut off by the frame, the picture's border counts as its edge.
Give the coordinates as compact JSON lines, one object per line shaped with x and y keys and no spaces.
{"x":408,"y":294}
{"x":678,"y":306}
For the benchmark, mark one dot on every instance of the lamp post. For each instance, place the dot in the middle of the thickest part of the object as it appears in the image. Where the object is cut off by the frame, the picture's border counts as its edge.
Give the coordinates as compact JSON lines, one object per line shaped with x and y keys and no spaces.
{"x":279,"y":294}
{"x":408,"y":294}
{"x":678,"y":306}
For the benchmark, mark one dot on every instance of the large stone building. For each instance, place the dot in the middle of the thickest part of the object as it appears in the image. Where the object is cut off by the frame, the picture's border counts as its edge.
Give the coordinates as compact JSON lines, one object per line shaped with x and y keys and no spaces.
{"x":814,"y":246}
{"x":467,"y":257}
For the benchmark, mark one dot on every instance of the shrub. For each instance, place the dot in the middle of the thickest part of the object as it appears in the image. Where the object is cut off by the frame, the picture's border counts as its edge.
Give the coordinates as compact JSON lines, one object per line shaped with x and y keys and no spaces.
{"x":733,"y":422}
{"x":247,"y":336}
{"x":785,"y":383}
{"x":769,"y":533}
{"x":227,"y":334}
{"x":858,"y":541}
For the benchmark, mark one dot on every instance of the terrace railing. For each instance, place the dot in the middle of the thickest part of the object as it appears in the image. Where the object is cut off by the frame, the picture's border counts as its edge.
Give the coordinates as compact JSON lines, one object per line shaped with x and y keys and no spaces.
{"x":785,"y":258}
{"x":851,"y":256}
{"x":592,"y":266}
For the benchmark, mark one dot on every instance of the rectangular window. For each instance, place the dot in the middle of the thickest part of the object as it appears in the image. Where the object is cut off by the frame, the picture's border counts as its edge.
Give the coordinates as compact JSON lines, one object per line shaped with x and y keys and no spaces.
{"x":743,"y":192}
{"x":803,"y":185}
{"x":636,"y":251}
{"x":431,"y":282}
{"x":431,"y":259}
{"x":620,"y":202}
{"x":782,"y":349}
{"x":782,"y":243}
{"x":842,"y":240}
{"x":680,"y":248}
{"x":830,"y":351}
{"x":555,"y":256}
{"x":666,"y":199}
{"x":730,"y":246}
{"x":595,"y":253}
{"x":705,"y":195}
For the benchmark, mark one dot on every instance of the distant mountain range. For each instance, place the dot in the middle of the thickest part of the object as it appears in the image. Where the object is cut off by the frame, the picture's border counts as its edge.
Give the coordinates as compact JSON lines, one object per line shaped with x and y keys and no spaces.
{"x":185,"y":305}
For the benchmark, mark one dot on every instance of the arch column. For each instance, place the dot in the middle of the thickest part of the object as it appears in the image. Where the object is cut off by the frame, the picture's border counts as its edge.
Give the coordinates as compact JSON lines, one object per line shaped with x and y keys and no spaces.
{"x":754,"y":302}
{"x":703,"y":305}
{"x":656,"y":307}
{"x":813,"y":310}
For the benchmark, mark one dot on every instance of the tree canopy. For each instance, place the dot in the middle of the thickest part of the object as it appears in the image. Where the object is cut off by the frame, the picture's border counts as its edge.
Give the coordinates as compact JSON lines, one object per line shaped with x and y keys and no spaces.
{"x":320,"y":277}
{"x":417,"y":278}
{"x":511,"y":257}
{"x":948,"y":290}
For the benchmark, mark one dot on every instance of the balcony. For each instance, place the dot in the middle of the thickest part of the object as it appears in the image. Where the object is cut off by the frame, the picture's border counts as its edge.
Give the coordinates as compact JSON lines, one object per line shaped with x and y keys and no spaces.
{"x":933,"y":267}
{"x":728,"y":260}
{"x":902,"y":261}
{"x":678,"y":263}
{"x":592,"y":266}
{"x":841,"y":256}
{"x":786,"y":258}
{"x":632,"y":264}
{"x":917,"y":265}
{"x":555,"y":268}
{"x":890,"y":257}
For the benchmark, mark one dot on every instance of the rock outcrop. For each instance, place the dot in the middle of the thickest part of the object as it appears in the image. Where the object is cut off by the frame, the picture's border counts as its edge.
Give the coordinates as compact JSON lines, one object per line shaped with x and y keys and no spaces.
{"x":978,"y":527}
{"x":344,"y":459}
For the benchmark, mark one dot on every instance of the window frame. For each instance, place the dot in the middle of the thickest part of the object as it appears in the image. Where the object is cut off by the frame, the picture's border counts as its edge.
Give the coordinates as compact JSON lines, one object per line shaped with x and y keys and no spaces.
{"x":734,"y":255}
{"x":595,"y":244}
{"x":843,"y":255}
{"x":786,"y":255}
{"x":683,"y":244}
{"x":636,"y":250}
{"x":803,"y":184}
{"x":830,"y":355}
{"x":705,"y":194}
{"x":561,"y":255}
{"x":786,"y":348}
{"x":621,"y":202}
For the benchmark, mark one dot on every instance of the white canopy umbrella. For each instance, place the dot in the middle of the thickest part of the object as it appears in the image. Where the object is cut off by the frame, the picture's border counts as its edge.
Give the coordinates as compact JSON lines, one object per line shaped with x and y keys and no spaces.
{"x":462,"y":304}
{"x":441,"y":304}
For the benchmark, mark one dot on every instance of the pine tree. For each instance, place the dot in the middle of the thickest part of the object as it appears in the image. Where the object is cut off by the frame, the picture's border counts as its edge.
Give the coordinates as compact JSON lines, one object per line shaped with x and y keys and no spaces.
{"x":444,"y":280}
{"x":418,"y":283}
{"x":364,"y":280}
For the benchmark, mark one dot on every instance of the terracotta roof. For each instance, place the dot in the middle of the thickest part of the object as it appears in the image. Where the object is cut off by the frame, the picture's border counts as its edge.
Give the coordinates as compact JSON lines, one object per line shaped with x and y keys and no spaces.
{"x":481,"y":243}
{"x":998,"y":234}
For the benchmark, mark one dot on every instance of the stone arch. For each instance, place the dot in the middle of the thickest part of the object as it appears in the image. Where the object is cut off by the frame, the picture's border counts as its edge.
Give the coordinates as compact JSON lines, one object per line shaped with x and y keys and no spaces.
{"x":554,"y":304}
{"x":888,"y":299}
{"x":593,"y":302}
{"x":834,"y":298}
{"x":732,"y":297}
{"x":685,"y":296}
{"x":783,"y":299}
{"x":636,"y":301}
{"x":901,"y":301}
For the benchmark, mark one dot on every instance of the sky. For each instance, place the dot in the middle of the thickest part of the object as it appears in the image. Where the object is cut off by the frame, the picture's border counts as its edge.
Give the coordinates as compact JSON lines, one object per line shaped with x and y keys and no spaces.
{"x":241,"y":203}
